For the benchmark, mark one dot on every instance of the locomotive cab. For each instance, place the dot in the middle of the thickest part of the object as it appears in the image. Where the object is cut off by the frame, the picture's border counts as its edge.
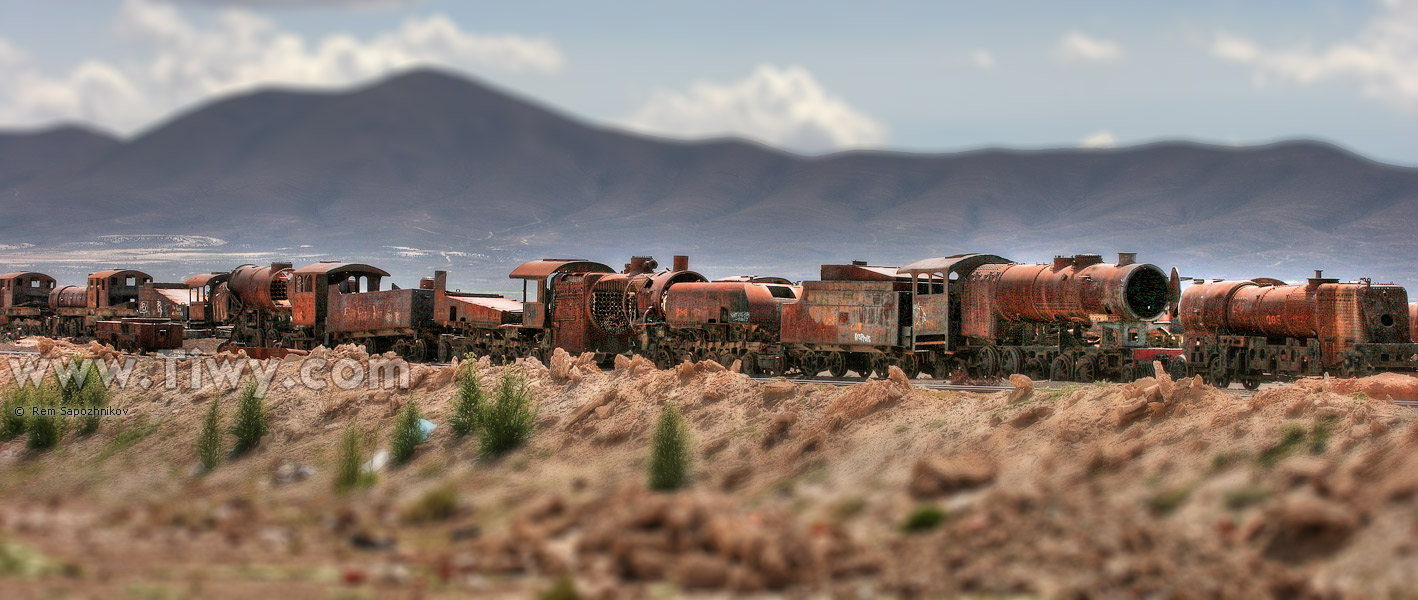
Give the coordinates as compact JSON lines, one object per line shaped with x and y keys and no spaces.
{"x":25,"y":289}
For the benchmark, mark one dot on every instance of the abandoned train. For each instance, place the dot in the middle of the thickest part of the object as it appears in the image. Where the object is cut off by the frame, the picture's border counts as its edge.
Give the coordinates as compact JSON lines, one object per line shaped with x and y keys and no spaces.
{"x":1077,"y":318}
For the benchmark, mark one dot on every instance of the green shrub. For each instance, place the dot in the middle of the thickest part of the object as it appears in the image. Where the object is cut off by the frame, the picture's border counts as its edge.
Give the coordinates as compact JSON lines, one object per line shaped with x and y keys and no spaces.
{"x":12,"y":425}
{"x":349,"y":465}
{"x":437,"y":504}
{"x":470,"y":398}
{"x":507,"y":421}
{"x":924,"y":518}
{"x":563,"y":589}
{"x":209,"y":441}
{"x":1167,"y":501}
{"x":407,"y":434}
{"x":252,"y":421}
{"x":91,"y":394}
{"x":45,"y":429}
{"x":1243,"y":497}
{"x":669,"y":451}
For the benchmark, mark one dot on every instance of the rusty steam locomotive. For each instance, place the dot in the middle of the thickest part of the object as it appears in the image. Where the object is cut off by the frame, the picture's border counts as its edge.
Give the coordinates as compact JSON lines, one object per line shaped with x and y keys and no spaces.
{"x":1078,"y":318}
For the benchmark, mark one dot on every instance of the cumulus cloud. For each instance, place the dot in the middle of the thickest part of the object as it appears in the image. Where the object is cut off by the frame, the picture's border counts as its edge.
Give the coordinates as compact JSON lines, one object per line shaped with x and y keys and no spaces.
{"x":1099,"y":139}
{"x":1075,"y":47}
{"x":784,"y":107}
{"x":1382,"y":58}
{"x":983,"y":59}
{"x":184,"y":61}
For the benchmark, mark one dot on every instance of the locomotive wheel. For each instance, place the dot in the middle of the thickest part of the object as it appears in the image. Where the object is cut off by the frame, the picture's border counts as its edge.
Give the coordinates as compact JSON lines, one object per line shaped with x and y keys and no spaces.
{"x":445,"y":351}
{"x":1146,"y":369}
{"x":1061,"y":369}
{"x":942,"y":367}
{"x":1034,"y":369}
{"x":1250,"y":383}
{"x":881,"y":367}
{"x":664,"y":360}
{"x":750,"y":364}
{"x":371,"y":346}
{"x":911,"y":366}
{"x":419,"y":351}
{"x":1011,"y":361}
{"x":1127,"y":373}
{"x":837,"y":365}
{"x":1177,"y":368}
{"x":985,"y":362}
{"x":1216,"y":372}
{"x":1085,"y":370}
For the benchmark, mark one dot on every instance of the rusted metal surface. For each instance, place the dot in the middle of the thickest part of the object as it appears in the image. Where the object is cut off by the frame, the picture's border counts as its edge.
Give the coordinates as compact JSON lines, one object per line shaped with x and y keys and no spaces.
{"x":68,"y":296}
{"x":1339,"y":315}
{"x":931,"y":281}
{"x":544,"y":268}
{"x":262,"y":288}
{"x":25,"y":288}
{"x":1076,"y":292}
{"x":316,"y":284}
{"x":1413,"y":322}
{"x":140,"y":334}
{"x":727,"y":302}
{"x":115,"y":288}
{"x":861,"y":271}
{"x":164,"y":300}
{"x":755,"y":279}
{"x":462,"y":308}
{"x":862,"y":313}
{"x":385,"y":310}
{"x":618,"y":300}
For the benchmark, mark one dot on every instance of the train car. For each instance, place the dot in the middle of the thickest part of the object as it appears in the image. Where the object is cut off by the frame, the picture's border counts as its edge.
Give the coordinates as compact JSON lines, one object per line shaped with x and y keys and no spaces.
{"x":109,"y":295}
{"x":140,"y":334}
{"x":255,"y":303}
{"x":478,"y":324}
{"x":1264,"y":330}
{"x":336,"y":303}
{"x":24,"y":302}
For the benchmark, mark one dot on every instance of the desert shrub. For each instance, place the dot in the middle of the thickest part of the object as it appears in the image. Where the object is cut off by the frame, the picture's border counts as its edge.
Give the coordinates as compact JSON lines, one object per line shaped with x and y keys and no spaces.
{"x":437,"y":504}
{"x":563,"y":589}
{"x":924,"y":518}
{"x":1291,"y":437}
{"x":407,"y":434}
{"x":507,"y":421}
{"x":470,"y":397}
{"x":669,"y":450}
{"x":252,"y":420}
{"x":84,"y":389}
{"x":12,"y":423}
{"x":1167,"y":501}
{"x":209,"y":440}
{"x":1243,"y":497}
{"x":45,"y":429}
{"x":349,"y":464}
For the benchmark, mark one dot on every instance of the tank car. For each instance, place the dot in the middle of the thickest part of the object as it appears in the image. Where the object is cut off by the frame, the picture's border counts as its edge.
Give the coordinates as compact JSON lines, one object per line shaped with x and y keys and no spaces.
{"x":1261,"y":330}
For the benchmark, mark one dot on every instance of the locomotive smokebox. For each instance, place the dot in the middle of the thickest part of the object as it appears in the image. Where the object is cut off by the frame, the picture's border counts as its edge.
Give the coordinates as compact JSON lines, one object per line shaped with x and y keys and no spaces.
{"x":1072,"y":290}
{"x":68,"y":296}
{"x":262,"y":288}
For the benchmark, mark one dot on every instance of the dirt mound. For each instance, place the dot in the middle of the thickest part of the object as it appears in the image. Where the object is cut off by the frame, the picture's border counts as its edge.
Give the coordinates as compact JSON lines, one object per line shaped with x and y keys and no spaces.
{"x":1384,"y":386}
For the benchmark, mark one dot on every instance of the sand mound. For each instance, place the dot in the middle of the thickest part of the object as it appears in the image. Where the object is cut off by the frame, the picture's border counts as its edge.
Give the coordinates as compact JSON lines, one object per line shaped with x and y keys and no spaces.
{"x":1385,"y":386}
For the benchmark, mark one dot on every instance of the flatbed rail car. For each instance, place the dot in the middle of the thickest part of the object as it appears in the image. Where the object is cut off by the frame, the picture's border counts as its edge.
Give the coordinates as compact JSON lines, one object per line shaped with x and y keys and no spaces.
{"x":140,"y":334}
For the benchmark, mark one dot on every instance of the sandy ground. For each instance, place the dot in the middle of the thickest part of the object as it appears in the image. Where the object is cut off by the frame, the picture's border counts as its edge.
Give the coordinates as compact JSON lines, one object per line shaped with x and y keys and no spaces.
{"x":1154,"y":489}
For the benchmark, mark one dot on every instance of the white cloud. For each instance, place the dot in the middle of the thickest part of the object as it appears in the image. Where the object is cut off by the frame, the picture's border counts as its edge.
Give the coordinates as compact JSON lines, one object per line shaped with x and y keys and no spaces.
{"x":785,"y":107}
{"x":1099,"y":139}
{"x":983,"y":59}
{"x":1382,"y":59}
{"x":300,"y":3}
{"x":236,"y":50}
{"x":1075,"y":47}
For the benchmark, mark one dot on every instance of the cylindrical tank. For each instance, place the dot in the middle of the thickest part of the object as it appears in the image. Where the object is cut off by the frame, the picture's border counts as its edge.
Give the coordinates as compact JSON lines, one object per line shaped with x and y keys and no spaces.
{"x":1359,"y":312}
{"x":69,"y":296}
{"x":726,"y":302}
{"x":1074,"y":289}
{"x":262,"y":288}
{"x":1204,"y":305}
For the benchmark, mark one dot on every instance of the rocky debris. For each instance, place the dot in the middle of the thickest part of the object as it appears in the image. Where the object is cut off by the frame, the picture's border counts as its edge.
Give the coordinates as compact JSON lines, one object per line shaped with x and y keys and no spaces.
{"x":1023,"y":387}
{"x":932,"y":477}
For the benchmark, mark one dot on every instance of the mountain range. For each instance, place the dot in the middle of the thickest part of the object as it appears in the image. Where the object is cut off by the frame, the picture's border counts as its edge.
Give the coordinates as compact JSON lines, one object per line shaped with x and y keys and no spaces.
{"x":428,"y":170}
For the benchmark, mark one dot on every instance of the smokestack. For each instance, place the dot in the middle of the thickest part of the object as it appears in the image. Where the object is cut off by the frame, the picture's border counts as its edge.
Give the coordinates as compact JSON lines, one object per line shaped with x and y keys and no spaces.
{"x":859,"y":263}
{"x":1126,"y":258}
{"x":1319,"y":273}
{"x":681,"y":262}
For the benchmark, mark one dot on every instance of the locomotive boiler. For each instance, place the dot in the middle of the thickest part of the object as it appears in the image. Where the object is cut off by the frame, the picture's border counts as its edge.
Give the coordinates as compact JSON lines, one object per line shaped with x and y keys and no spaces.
{"x":1262,"y":329}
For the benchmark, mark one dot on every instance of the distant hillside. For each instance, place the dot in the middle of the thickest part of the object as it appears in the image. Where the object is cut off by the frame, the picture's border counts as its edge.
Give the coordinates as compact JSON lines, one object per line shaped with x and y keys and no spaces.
{"x":427,"y":170}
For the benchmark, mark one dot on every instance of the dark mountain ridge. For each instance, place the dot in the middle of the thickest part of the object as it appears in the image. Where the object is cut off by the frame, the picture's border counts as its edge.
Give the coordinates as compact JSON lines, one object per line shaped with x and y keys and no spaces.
{"x":427,"y":170}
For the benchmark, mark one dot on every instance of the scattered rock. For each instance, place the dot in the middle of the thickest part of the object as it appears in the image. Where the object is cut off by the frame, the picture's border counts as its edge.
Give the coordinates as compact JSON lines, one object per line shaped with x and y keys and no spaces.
{"x":931,"y":477}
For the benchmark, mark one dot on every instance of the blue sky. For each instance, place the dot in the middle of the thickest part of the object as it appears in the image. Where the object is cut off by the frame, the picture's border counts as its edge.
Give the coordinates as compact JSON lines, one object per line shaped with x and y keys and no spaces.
{"x":808,"y":76}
